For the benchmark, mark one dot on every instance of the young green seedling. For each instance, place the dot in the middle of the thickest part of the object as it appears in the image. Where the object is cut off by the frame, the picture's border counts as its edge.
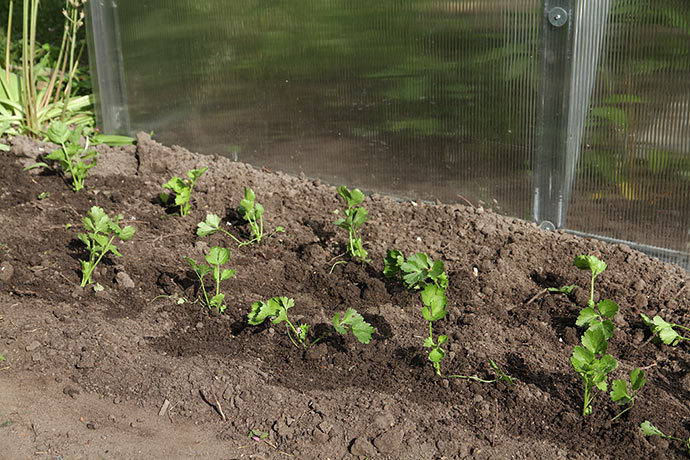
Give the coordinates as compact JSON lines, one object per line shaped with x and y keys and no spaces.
{"x":72,"y":157}
{"x":250,"y":211}
{"x":353,"y":321}
{"x":593,"y":365}
{"x":595,"y":266}
{"x":277,"y":309}
{"x":355,"y":216}
{"x":664,"y":330}
{"x":216,"y":257}
{"x":650,"y":430}
{"x":182,"y":189}
{"x":621,"y":395}
{"x":101,"y":232}
{"x":435,"y":301}
{"x":417,"y":272}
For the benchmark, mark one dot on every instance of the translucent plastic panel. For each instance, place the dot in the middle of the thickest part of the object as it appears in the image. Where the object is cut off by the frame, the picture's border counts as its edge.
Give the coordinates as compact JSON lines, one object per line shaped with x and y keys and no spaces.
{"x":632,"y":179}
{"x":417,"y":98}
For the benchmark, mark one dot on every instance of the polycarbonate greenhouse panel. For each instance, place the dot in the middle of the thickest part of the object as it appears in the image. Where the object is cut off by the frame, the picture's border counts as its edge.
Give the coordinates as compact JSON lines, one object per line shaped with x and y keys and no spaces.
{"x":573,"y":113}
{"x":422,"y":99}
{"x":632,"y":177}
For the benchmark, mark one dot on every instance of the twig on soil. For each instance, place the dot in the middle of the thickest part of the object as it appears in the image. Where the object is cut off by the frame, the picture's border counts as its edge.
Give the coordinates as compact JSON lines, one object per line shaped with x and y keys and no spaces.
{"x":536,"y":296}
{"x":220,"y":408}
{"x":675,"y":297}
{"x":465,"y":200}
{"x":650,"y":366}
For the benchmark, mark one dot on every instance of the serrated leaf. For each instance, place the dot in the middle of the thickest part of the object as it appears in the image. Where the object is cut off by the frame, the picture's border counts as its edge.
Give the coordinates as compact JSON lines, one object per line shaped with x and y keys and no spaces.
{"x":619,"y":392}
{"x":58,"y":132}
{"x":608,"y":308}
{"x":359,"y":216}
{"x":442,"y":339}
{"x":394,"y":259}
{"x":668,"y":335}
{"x":227,"y":274}
{"x":592,"y":263}
{"x":429,"y":343}
{"x":209,"y":226}
{"x":594,"y":341}
{"x":126,"y":233}
{"x":650,"y":430}
{"x":217,"y":255}
{"x":586,"y":317}
{"x":436,"y":269}
{"x":607,"y":364}
{"x":581,"y":359}
{"x":436,"y":355}
{"x":637,"y":379}
{"x":262,"y":310}
{"x":195,"y":174}
{"x":340,"y":329}
{"x":434,"y":298}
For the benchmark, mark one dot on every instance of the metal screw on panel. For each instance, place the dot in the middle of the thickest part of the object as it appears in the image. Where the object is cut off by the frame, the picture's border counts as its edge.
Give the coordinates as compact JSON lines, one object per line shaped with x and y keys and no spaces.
{"x":558,"y":16}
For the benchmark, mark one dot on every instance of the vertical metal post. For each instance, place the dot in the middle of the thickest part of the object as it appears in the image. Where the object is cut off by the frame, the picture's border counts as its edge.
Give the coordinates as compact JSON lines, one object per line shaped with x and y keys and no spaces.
{"x":550,"y":198}
{"x":107,"y":70}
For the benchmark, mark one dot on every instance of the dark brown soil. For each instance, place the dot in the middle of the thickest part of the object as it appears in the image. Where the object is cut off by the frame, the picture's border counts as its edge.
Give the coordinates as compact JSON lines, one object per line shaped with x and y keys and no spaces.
{"x":88,"y":373}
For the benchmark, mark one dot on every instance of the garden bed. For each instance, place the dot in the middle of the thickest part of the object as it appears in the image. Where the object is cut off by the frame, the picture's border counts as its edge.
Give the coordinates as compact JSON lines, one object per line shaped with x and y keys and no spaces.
{"x":143,"y":370}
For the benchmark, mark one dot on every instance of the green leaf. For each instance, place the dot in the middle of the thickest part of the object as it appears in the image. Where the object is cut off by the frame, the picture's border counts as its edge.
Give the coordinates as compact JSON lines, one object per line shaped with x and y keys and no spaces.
{"x":586,"y":317}
{"x":567,"y":290}
{"x":353,"y":198}
{"x":608,"y":308}
{"x":227,"y":274}
{"x":394,"y":259}
{"x":260,"y":311}
{"x":594,"y":341}
{"x":436,"y":355}
{"x":592,"y":263}
{"x":195,"y":174}
{"x":442,"y":339}
{"x":650,"y":430}
{"x":217,"y":255}
{"x":637,"y":379}
{"x":434,"y":298}
{"x":359,"y":216}
{"x":126,"y":233}
{"x":217,"y":301}
{"x":619,"y":392}
{"x":668,"y":335}
{"x":429,"y":342}
{"x":355,"y":322}
{"x":208,"y":227}
{"x":58,"y":132}
{"x":606,"y":364}
{"x":582,"y":359}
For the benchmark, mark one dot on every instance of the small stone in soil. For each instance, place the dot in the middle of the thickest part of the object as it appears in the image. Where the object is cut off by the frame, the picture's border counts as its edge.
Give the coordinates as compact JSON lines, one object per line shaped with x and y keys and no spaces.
{"x":6,"y":271}
{"x":33,"y":345}
{"x":389,"y":442}
{"x":362,"y":448}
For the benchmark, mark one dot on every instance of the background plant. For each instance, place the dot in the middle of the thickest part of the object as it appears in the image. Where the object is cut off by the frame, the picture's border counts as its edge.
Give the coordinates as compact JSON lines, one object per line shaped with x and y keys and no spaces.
{"x":664,"y":330}
{"x":73,"y":159}
{"x":182,"y":189}
{"x":41,"y":90}
{"x":355,"y":216}
{"x":101,"y":232}
{"x":216,"y":257}
{"x":417,"y":271}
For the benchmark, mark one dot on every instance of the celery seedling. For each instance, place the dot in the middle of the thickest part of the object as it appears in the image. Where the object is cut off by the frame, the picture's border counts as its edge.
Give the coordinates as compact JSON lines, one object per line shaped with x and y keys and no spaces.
{"x":595,"y":266}
{"x":182,"y":189}
{"x":72,"y":157}
{"x":216,"y":257}
{"x":620,"y":393}
{"x":355,"y":216}
{"x":593,"y":365}
{"x":250,"y":211}
{"x":353,"y":321}
{"x":101,"y":232}
{"x":417,"y":271}
{"x":277,"y":309}
{"x":664,"y":330}
{"x":650,"y":430}
{"x":435,"y":300}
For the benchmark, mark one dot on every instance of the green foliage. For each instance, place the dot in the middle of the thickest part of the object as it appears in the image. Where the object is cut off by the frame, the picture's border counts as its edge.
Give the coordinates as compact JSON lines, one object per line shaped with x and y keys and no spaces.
{"x":567,"y":290}
{"x":595,"y":266}
{"x":435,"y":301}
{"x":277,"y":309}
{"x":597,"y":317}
{"x":251,"y":211}
{"x":182,"y":189}
{"x":664,"y":330}
{"x":650,"y":430}
{"x":101,"y":232}
{"x":593,"y":365}
{"x":73,"y":159}
{"x":216,"y":257}
{"x":417,"y":271}
{"x":621,"y":395}
{"x":355,"y":216}
{"x":42,"y":90}
{"x":353,"y":321}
